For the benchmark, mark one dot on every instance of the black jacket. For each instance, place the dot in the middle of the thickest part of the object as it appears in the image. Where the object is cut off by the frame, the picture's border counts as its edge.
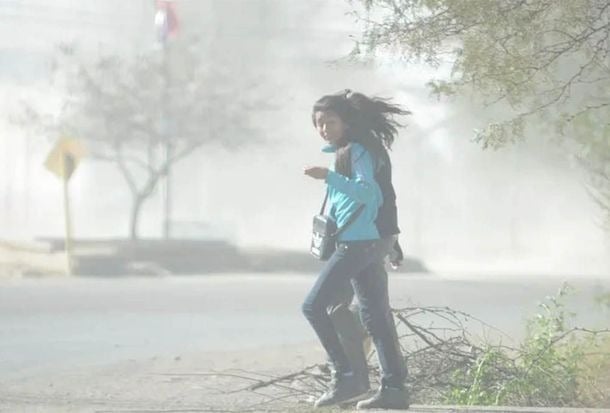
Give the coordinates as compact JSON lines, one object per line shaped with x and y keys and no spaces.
{"x":387,"y":216}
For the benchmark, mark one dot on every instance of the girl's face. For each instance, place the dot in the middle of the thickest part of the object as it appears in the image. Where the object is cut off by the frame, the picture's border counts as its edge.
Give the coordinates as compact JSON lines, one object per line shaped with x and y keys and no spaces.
{"x":330,"y":127}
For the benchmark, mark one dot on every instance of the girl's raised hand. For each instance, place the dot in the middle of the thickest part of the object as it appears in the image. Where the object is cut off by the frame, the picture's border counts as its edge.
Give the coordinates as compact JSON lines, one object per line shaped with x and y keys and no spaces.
{"x":316,"y":172}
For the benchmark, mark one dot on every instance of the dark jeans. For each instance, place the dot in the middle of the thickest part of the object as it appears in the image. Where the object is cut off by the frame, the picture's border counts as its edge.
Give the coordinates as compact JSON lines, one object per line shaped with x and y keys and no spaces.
{"x":357,"y":263}
{"x":352,"y":334}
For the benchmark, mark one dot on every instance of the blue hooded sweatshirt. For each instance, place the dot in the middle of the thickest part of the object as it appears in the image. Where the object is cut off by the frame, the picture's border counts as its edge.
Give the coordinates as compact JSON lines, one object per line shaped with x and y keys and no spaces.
{"x":345,"y":195}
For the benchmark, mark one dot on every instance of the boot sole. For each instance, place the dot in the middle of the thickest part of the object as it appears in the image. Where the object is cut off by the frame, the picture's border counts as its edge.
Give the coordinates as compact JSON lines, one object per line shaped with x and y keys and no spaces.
{"x":355,"y":399}
{"x":383,"y":407}
{"x":348,"y":402}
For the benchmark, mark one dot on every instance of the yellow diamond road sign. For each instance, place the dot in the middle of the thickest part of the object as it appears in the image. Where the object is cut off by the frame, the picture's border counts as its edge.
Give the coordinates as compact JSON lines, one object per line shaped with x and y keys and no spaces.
{"x":64,"y":157}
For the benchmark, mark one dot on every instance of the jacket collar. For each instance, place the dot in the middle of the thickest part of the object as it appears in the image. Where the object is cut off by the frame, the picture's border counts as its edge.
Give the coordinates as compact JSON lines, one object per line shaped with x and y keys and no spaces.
{"x":329,"y":148}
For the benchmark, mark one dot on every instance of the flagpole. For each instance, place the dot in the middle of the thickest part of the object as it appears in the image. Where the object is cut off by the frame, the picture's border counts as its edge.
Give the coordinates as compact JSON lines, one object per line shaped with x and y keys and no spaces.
{"x":166,"y":24}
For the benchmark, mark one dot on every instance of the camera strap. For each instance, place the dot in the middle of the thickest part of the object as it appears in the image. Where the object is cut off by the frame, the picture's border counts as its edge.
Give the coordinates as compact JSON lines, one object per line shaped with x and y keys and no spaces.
{"x":351,"y":219}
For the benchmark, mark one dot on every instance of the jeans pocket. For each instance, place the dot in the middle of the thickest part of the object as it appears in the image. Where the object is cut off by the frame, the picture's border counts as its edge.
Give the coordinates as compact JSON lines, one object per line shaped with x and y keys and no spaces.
{"x":342,"y":247}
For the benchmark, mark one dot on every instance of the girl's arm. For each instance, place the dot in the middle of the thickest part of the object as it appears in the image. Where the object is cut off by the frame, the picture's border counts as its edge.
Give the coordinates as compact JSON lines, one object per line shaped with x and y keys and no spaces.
{"x":361,"y":187}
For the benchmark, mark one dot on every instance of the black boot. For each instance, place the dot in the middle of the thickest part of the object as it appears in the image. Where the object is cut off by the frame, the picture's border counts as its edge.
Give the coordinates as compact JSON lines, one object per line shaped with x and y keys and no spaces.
{"x":387,"y":398}
{"x":343,"y":388}
{"x":353,"y":337}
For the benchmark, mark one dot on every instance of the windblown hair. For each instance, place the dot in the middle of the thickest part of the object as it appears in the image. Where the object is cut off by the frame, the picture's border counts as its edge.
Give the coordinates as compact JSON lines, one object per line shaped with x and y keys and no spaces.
{"x":370,"y":122}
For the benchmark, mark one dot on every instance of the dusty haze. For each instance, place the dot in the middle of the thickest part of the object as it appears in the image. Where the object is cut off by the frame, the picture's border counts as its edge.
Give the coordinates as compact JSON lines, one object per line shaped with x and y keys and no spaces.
{"x":523,"y":208}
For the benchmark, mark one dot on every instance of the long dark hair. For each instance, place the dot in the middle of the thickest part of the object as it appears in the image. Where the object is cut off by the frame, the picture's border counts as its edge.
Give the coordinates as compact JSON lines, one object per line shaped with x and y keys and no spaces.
{"x":370,"y":122}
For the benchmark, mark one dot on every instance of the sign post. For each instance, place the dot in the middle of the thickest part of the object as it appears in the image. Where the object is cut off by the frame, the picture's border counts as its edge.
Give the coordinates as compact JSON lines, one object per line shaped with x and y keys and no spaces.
{"x":62,"y":161}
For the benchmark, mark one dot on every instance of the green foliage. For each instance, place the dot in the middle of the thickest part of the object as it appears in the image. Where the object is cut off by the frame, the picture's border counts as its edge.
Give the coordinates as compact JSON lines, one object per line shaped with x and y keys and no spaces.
{"x":550,"y":356}
{"x":545,"y":60}
{"x":497,"y":135}
{"x":481,"y":386}
{"x":550,"y":368}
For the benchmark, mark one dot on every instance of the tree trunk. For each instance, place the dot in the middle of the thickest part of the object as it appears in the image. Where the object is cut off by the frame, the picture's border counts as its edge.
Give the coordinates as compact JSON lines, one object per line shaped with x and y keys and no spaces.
{"x":136,"y":207}
{"x":138,"y":200}
{"x":139,"y":196}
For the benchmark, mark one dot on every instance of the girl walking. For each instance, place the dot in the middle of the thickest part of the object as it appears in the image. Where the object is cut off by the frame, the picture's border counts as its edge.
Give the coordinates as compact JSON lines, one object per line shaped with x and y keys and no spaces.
{"x":355,"y":128}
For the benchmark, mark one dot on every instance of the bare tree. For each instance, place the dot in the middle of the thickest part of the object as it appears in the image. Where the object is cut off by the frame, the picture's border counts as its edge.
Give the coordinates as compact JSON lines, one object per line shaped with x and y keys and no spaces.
{"x":146,"y":113}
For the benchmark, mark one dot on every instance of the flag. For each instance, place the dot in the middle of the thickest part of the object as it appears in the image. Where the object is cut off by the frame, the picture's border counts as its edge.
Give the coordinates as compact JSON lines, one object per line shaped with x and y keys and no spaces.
{"x":166,"y":20}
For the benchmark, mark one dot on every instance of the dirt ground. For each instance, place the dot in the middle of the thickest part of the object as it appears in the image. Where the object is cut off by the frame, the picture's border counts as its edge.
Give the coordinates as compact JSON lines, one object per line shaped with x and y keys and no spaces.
{"x":206,"y":382}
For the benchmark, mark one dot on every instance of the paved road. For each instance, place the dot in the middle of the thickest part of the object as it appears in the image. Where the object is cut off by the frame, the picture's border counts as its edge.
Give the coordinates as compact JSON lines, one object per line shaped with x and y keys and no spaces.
{"x":59,"y":323}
